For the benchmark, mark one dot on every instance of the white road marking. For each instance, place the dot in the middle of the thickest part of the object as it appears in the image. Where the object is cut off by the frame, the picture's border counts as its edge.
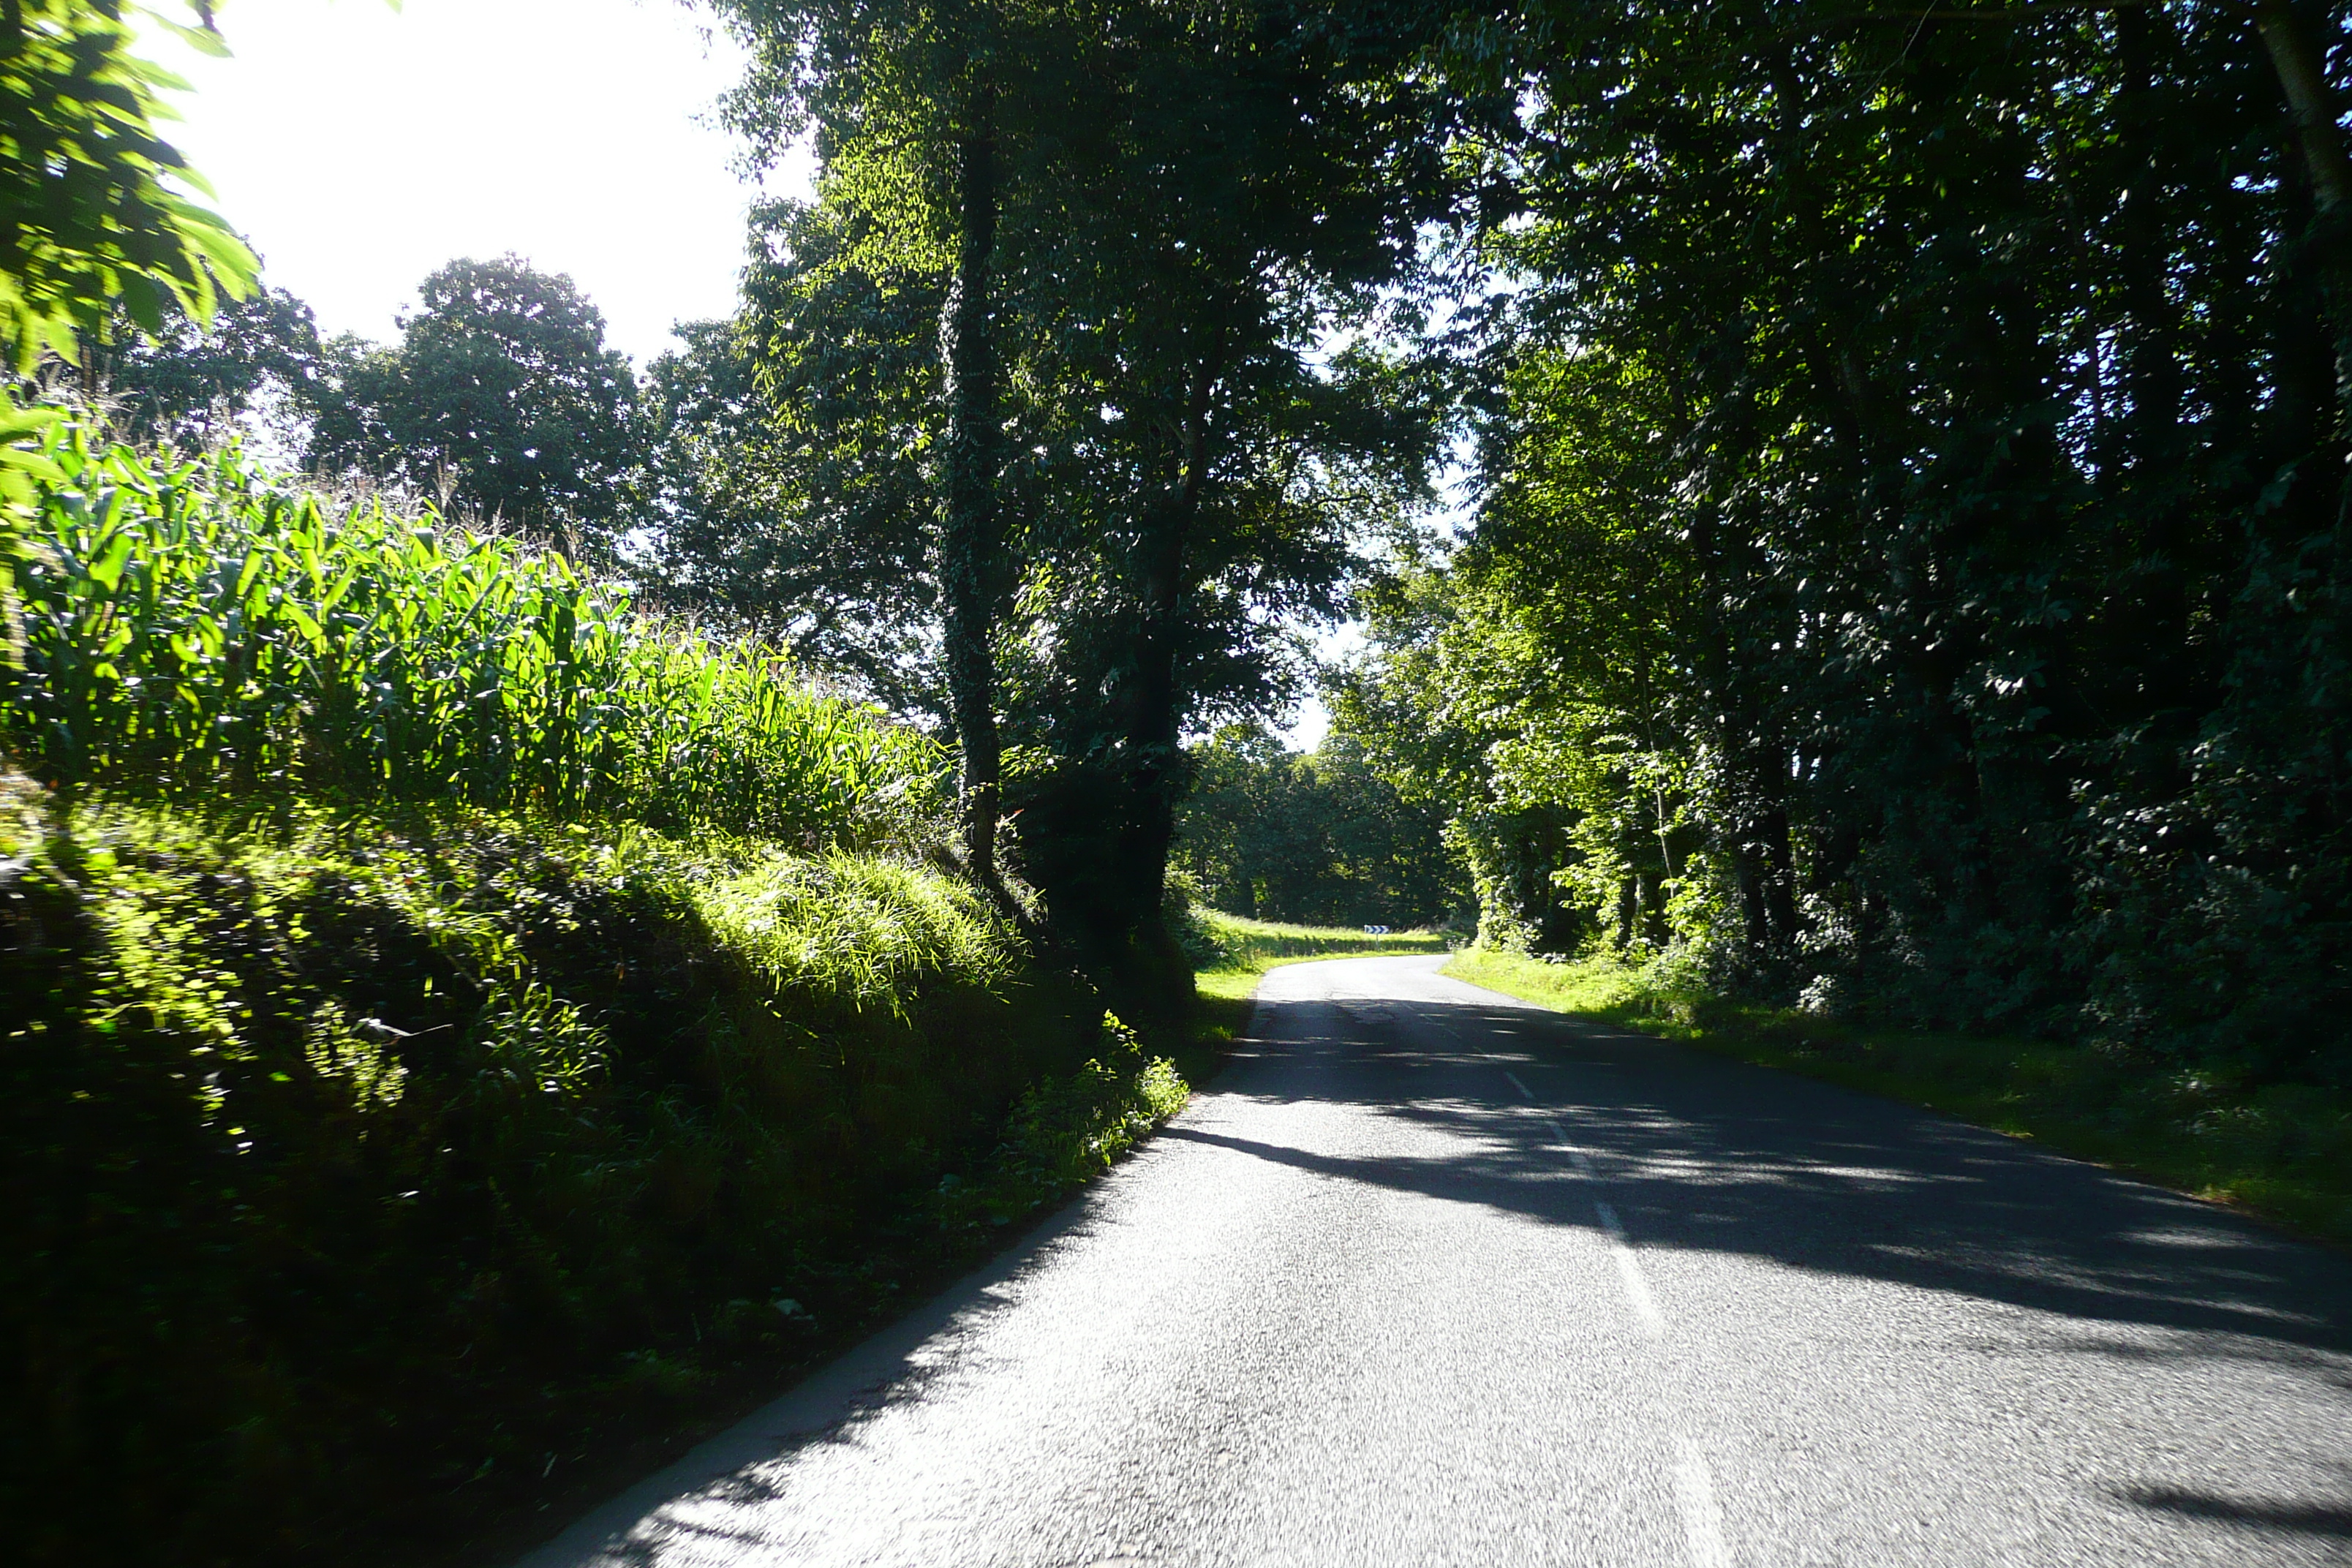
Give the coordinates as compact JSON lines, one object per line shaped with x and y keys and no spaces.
{"x":1637,"y":1290}
{"x":1628,"y":1270}
{"x":1694,"y":1487}
{"x":1576,"y":1156}
{"x":1702,"y":1520}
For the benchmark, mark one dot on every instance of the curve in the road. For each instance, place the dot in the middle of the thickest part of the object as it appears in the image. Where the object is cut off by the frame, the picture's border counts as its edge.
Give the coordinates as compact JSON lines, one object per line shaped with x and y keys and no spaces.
{"x":1434,"y":1276}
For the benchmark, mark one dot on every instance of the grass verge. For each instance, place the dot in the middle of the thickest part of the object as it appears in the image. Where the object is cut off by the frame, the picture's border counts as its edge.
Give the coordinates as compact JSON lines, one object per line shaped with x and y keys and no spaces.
{"x":1232,"y":954}
{"x":2283,"y":1151}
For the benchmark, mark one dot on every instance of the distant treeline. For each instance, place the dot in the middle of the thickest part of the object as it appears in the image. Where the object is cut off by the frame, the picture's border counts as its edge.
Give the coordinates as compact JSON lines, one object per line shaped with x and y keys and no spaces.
{"x":1316,"y":837}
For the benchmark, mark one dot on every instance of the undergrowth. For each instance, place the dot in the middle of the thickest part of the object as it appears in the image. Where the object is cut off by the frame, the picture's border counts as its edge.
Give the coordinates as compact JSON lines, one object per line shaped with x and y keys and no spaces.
{"x":362,"y":1176}
{"x":458,"y":1036}
{"x":1065,"y":1130}
{"x":2283,"y":1151}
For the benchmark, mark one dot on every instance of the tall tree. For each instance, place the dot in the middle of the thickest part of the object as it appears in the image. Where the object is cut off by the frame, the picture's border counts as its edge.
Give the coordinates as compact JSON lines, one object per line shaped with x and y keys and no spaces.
{"x":913,"y":106}
{"x":784,"y":474}
{"x":501,"y":391}
{"x":786,"y":457}
{"x":1256,"y":199}
{"x":191,"y":380}
{"x":972,"y":568}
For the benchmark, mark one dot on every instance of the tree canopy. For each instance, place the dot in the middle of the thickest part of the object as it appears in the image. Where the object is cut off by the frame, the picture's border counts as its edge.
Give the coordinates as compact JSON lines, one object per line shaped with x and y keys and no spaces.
{"x":1909,"y":566}
{"x":92,"y":212}
{"x":501,"y":391}
{"x":191,"y":380}
{"x":1315,"y":836}
{"x":1907,"y":460}
{"x":1138,"y":233}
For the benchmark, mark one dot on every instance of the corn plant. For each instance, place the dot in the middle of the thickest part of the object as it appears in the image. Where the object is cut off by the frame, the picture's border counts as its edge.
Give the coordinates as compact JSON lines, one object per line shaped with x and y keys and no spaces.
{"x":196,"y":627}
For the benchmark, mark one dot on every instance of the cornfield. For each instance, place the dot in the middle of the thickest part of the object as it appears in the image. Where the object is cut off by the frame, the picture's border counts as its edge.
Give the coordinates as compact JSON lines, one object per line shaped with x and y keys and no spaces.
{"x":192,"y":629}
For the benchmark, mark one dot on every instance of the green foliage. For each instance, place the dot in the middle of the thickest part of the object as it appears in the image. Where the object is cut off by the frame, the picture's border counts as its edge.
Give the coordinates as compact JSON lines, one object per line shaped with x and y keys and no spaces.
{"x":1422,"y":706}
{"x":1910,"y":567}
{"x":1317,"y":837}
{"x":784,"y":457}
{"x":93,"y":228}
{"x":1196,"y":222}
{"x":196,"y":628}
{"x":367,"y":1153}
{"x":1229,"y":425}
{"x":1067,"y":1130}
{"x":501,"y":394}
{"x":352,"y":1168}
{"x":88,"y":185}
{"x":22,"y":473}
{"x":856,"y":928}
{"x":2279,"y":1150}
{"x":194,"y":383}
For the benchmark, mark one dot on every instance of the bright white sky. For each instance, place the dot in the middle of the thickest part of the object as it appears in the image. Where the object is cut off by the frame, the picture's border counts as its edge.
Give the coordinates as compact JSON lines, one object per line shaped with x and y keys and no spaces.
{"x":358,"y":148}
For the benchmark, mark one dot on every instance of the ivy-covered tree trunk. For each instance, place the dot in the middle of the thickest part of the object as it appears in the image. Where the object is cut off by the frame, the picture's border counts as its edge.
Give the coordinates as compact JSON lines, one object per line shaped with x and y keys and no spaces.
{"x":971,"y":532}
{"x":1155,"y":719}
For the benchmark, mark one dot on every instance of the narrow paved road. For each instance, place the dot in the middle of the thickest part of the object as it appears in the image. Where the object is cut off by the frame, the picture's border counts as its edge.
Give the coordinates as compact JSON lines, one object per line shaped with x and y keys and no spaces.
{"x":1433,"y":1277}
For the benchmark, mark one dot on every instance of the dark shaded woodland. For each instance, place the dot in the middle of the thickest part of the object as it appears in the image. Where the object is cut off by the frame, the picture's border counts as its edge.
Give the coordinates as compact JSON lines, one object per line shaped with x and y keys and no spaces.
{"x":1912,"y":564}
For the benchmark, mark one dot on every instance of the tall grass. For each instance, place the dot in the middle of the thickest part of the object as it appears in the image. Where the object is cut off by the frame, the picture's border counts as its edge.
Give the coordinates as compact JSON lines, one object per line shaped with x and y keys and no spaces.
{"x":1229,"y":952}
{"x":192,"y":627}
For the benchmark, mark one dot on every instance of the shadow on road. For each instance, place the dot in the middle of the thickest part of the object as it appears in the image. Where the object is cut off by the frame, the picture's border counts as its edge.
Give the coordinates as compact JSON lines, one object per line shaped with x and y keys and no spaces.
{"x":1696,"y":1155}
{"x":2296,"y":1518}
{"x":1699,"y":1153}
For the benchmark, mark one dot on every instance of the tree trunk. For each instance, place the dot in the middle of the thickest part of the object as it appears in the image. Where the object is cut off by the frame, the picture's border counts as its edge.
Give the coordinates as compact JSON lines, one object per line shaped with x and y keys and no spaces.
{"x":970,"y":541}
{"x":2299,"y":58}
{"x":1155,"y":720}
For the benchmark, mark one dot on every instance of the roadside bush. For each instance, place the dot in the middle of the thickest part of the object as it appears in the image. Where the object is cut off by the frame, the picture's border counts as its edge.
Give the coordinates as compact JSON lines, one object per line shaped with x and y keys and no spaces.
{"x":1068,"y":1129}
{"x":354,"y":1174}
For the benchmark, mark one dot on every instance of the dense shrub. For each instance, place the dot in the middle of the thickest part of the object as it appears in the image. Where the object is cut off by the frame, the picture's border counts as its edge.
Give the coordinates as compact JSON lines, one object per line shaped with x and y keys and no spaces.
{"x":349,"y":1167}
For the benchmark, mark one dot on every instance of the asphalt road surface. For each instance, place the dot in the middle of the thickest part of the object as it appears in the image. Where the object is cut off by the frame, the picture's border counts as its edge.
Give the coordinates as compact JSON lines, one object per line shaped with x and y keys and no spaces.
{"x":1434,"y":1276}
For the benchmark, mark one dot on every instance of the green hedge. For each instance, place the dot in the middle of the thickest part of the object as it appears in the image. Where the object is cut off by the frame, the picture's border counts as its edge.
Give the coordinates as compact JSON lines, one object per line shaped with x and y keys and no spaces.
{"x":354,"y":1177}
{"x":452,"y":1028}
